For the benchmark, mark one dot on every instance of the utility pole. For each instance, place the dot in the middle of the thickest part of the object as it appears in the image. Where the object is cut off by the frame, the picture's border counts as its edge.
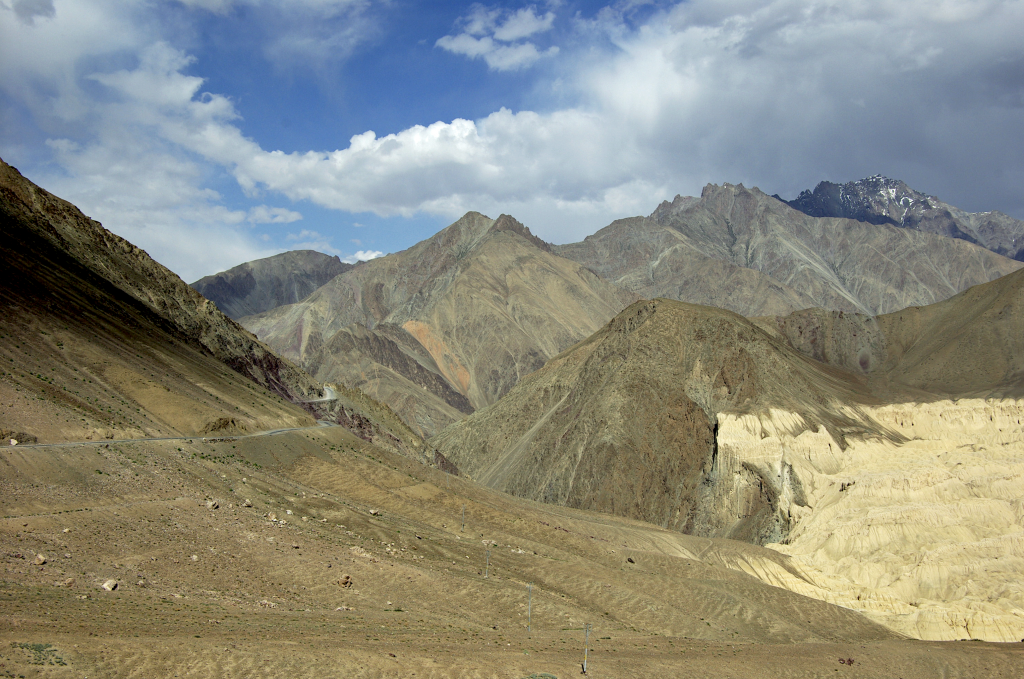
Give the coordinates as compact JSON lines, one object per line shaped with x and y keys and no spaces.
{"x":529,"y":608}
{"x":586,"y":644}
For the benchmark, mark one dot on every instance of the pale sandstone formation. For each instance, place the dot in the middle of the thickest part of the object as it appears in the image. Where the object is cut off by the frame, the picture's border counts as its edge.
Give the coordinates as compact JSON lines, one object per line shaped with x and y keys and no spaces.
{"x":925,"y":537}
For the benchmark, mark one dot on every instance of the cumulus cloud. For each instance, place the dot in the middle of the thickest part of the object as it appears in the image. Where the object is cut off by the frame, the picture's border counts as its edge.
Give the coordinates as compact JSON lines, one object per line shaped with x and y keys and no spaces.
{"x":779,"y":94}
{"x":362,"y":256}
{"x":493,"y":34}
{"x":262,"y":214}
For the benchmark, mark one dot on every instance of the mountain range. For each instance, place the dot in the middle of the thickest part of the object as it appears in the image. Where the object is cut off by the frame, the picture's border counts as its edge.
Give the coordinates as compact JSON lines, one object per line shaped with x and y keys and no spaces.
{"x":450,"y":325}
{"x":880,"y":200}
{"x":704,"y":473}
{"x":112,"y":345}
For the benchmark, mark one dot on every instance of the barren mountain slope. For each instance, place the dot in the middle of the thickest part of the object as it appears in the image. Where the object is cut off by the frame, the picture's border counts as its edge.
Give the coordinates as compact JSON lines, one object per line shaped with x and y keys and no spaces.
{"x":625,"y":422}
{"x":880,"y":200}
{"x":969,"y":345}
{"x":739,"y":249}
{"x":240,"y":591}
{"x":264,"y":284}
{"x":910,"y":513}
{"x":100,"y":341}
{"x":459,"y":318}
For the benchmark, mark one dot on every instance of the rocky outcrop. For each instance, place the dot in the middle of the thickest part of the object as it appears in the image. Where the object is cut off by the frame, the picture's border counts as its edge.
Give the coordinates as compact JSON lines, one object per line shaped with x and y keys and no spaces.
{"x":264,"y":284}
{"x":880,"y":200}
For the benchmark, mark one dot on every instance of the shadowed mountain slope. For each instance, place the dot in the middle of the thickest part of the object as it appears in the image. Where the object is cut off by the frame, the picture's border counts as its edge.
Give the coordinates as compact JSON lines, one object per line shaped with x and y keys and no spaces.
{"x":880,"y":200}
{"x":448,"y":325}
{"x":101,"y":341}
{"x":263,"y":284}
{"x":739,"y":249}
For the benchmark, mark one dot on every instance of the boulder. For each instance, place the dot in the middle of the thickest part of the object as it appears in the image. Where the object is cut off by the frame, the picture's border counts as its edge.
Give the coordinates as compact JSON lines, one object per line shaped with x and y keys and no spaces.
{"x":109,"y":585}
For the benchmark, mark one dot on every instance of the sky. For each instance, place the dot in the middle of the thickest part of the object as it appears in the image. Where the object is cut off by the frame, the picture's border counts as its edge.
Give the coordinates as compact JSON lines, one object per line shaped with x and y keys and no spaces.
{"x":213,"y":132}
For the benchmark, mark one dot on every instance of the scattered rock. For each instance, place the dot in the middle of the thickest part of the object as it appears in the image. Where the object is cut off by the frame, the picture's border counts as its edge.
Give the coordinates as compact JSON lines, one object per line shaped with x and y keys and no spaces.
{"x":247,"y":503}
{"x":374,"y":512}
{"x":212,"y":504}
{"x":66,"y":530}
{"x":266,"y":604}
{"x":194,"y":557}
{"x":40,"y":559}
{"x":344,"y":608}
{"x":109,"y":585}
{"x":272,"y":516}
{"x":70,"y":582}
{"x":323,"y":520}
{"x":305,"y":518}
{"x":295,"y":546}
{"x":142,"y":583}
{"x":630,"y":559}
{"x":346,"y":580}
{"x":288,"y":512}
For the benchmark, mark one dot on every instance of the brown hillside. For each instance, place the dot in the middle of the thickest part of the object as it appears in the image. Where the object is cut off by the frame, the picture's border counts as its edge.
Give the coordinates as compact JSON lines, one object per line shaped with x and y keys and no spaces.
{"x":738,"y":249}
{"x":454,"y":321}
{"x":625,"y":422}
{"x":968,"y":345}
{"x":100,"y":341}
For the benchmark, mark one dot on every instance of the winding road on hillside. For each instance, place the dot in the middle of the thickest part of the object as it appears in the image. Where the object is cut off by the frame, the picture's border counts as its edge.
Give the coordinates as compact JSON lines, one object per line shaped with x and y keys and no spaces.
{"x":320,"y":424}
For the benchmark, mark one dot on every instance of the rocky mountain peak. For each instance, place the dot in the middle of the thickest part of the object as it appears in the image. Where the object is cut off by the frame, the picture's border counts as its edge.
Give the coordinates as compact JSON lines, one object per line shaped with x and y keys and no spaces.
{"x":881,"y":200}
{"x":508,"y":223}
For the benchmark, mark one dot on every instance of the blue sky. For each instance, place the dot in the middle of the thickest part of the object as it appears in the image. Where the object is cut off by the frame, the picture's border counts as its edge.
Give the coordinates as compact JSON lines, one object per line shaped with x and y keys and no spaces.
{"x":211,"y":132}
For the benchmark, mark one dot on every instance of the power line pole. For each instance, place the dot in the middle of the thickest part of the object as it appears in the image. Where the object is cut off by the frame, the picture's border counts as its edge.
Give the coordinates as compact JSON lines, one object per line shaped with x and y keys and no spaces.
{"x":586,"y":644}
{"x":529,"y":608}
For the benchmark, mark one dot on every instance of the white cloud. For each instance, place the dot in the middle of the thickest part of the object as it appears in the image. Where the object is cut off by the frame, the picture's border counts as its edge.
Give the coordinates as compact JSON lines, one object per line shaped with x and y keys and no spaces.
{"x":362,"y":256}
{"x":495,"y":27}
{"x":779,"y":94}
{"x":522,"y":24}
{"x":262,"y":214}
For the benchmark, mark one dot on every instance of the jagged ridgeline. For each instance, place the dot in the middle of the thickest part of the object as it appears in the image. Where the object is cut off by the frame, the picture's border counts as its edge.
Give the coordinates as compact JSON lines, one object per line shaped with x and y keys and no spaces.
{"x":102,"y":341}
{"x":881,"y":200}
{"x":739,"y":249}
